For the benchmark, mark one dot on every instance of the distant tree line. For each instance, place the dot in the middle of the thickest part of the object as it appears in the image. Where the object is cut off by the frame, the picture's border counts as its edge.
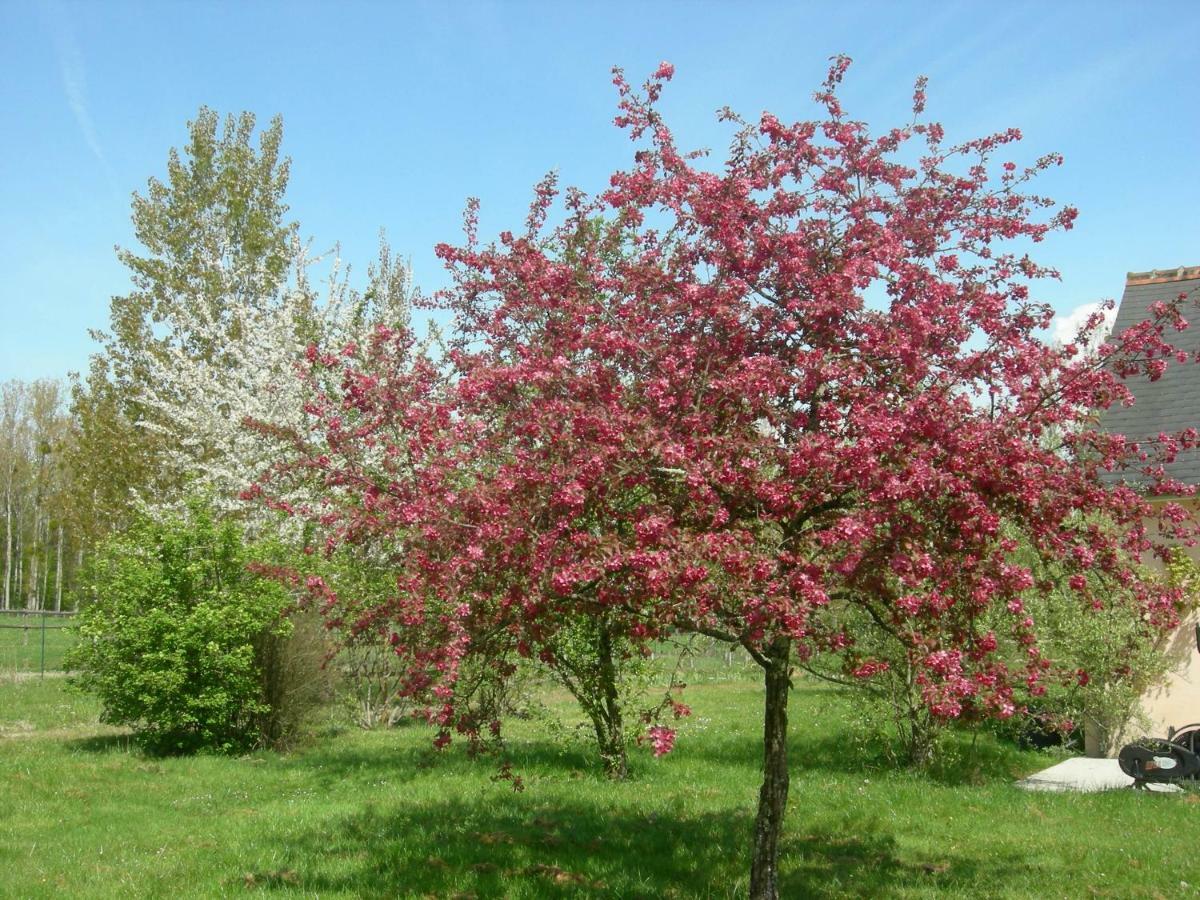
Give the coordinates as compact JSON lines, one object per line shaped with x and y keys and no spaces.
{"x":41,"y":542}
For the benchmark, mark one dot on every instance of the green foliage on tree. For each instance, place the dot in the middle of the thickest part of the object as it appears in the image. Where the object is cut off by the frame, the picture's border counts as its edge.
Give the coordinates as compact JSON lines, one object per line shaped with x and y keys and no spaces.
{"x":214,"y":234}
{"x":38,"y":535}
{"x":176,"y":636}
{"x":108,"y":456}
{"x":596,"y":663}
{"x":894,"y":715}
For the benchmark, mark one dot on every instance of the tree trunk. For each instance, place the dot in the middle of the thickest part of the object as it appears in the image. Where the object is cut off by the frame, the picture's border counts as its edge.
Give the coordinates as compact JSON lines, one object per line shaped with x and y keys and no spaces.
{"x":772,"y":799}
{"x":78,"y":568}
{"x":8,"y":545}
{"x":20,"y":554}
{"x":921,"y":738}
{"x":611,"y":734}
{"x":610,"y":738}
{"x":58,"y":576}
{"x":44,"y":592}
{"x":594,"y":684}
{"x":33,"y":568}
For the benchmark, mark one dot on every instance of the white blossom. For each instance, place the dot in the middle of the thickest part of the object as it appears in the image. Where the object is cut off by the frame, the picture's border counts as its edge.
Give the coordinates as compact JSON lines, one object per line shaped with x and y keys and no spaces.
{"x":201,"y":400}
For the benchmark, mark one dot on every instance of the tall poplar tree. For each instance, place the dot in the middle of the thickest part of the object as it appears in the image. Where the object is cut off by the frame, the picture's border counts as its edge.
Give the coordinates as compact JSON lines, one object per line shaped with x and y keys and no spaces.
{"x":213,"y":234}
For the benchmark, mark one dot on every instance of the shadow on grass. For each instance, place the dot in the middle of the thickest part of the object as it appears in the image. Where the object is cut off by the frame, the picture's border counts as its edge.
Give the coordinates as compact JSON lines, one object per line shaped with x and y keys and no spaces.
{"x":104,"y":743}
{"x":967,"y":761}
{"x":332,"y":760}
{"x":527,"y":848}
{"x":571,"y":835}
{"x":964,"y":761}
{"x":333,"y":763}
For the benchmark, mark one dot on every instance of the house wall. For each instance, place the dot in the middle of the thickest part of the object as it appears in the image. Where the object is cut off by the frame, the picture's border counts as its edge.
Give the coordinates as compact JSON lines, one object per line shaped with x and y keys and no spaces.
{"x":1177,"y":701}
{"x":1169,"y":404}
{"x":1173,"y":703}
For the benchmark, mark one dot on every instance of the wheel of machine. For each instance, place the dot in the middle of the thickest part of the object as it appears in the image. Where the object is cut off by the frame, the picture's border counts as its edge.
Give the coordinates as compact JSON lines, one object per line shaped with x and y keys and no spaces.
{"x":1188,"y":737}
{"x":1158,"y":761}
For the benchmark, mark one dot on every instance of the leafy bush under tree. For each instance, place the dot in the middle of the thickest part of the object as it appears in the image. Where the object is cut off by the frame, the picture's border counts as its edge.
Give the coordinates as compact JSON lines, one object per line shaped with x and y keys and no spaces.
{"x":1110,"y":657}
{"x":183,"y":643}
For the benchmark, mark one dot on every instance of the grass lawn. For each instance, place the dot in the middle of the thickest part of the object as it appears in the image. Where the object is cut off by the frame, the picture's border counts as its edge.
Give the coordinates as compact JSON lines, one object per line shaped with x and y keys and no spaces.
{"x":378,"y":814}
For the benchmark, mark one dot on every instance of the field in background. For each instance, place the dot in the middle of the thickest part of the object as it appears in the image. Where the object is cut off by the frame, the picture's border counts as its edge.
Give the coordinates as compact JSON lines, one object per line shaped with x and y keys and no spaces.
{"x":380,"y":814}
{"x":22,"y":647}
{"x":31,"y":641}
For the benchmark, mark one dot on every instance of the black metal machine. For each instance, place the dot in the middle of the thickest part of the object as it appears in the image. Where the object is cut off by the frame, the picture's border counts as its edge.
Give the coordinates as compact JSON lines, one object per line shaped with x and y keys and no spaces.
{"x":1164,"y":760}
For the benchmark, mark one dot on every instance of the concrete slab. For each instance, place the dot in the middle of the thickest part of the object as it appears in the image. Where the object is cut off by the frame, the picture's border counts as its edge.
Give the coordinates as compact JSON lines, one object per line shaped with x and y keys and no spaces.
{"x":1084,"y":775}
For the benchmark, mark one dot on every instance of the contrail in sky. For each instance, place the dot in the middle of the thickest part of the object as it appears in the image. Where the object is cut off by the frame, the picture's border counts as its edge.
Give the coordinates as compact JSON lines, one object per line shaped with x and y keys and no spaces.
{"x":74,"y":80}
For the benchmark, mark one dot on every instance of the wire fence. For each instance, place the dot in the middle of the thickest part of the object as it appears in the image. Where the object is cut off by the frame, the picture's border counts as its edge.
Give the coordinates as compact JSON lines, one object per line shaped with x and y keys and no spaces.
{"x":34,"y":640}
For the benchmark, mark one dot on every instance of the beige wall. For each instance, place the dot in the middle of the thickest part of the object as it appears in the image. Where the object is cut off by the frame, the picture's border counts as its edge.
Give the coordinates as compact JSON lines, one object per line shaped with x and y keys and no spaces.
{"x":1176,"y":702}
{"x":1172,"y":704}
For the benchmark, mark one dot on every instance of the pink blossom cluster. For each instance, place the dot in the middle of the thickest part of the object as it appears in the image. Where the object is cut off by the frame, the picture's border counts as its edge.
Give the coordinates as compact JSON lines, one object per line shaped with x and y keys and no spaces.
{"x":662,"y":739}
{"x":676,"y":409}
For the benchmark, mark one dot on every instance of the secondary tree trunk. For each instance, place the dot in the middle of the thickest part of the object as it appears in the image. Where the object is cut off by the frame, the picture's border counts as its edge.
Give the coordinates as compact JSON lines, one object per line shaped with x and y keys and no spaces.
{"x":34,"y":602}
{"x":44,"y":591}
{"x":593,"y":681}
{"x":610,"y":738}
{"x":8,"y":544}
{"x":918,"y":738}
{"x":772,"y":799}
{"x":58,"y":573}
{"x":78,"y":568}
{"x":610,"y":726}
{"x":20,"y":562}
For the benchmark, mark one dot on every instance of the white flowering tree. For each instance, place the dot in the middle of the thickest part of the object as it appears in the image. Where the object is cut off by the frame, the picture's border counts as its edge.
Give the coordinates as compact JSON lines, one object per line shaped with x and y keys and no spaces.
{"x":212,"y":238}
{"x":200,"y":402}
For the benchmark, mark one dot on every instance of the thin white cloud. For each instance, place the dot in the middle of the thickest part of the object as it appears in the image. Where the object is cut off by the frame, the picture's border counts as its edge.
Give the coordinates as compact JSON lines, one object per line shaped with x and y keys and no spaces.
{"x":1065,"y":327}
{"x":74,"y":80}
{"x":1101,"y":79}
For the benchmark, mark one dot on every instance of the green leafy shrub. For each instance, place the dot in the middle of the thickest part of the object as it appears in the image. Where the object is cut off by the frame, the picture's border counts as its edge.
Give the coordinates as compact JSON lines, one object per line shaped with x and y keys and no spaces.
{"x":1118,"y":655}
{"x":180,"y":641}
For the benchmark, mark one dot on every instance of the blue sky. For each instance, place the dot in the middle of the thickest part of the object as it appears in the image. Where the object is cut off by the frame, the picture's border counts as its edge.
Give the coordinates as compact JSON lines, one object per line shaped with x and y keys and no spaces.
{"x":395,"y":113}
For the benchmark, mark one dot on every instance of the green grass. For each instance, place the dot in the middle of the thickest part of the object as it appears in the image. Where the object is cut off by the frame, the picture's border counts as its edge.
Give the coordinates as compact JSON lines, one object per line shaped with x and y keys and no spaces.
{"x":378,"y":814}
{"x":21,"y":643}
{"x":45,"y":708}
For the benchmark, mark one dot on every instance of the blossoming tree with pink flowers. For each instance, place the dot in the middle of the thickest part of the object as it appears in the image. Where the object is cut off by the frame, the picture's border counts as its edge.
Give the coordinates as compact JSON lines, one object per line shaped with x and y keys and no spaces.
{"x":728,"y":399}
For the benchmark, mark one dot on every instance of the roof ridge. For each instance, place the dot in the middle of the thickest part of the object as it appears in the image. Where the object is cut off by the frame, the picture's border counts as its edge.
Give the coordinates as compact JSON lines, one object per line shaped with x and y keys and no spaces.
{"x":1159,"y":276}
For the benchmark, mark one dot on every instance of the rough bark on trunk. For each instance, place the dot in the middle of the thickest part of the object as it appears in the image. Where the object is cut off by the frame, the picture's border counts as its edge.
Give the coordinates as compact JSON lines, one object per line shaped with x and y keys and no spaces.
{"x":44,"y":589}
{"x":918,"y":738}
{"x":772,"y":798}
{"x":78,"y":568}
{"x":594,"y":684}
{"x":610,"y":738}
{"x":20,"y":560}
{"x":610,"y":728}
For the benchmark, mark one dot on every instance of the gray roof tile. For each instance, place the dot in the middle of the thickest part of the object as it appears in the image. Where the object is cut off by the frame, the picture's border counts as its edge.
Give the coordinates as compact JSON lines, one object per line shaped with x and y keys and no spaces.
{"x":1173,"y":402}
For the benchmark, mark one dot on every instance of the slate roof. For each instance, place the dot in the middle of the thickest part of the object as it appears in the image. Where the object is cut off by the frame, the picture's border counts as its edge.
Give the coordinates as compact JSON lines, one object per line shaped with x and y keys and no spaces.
{"x":1173,"y":402}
